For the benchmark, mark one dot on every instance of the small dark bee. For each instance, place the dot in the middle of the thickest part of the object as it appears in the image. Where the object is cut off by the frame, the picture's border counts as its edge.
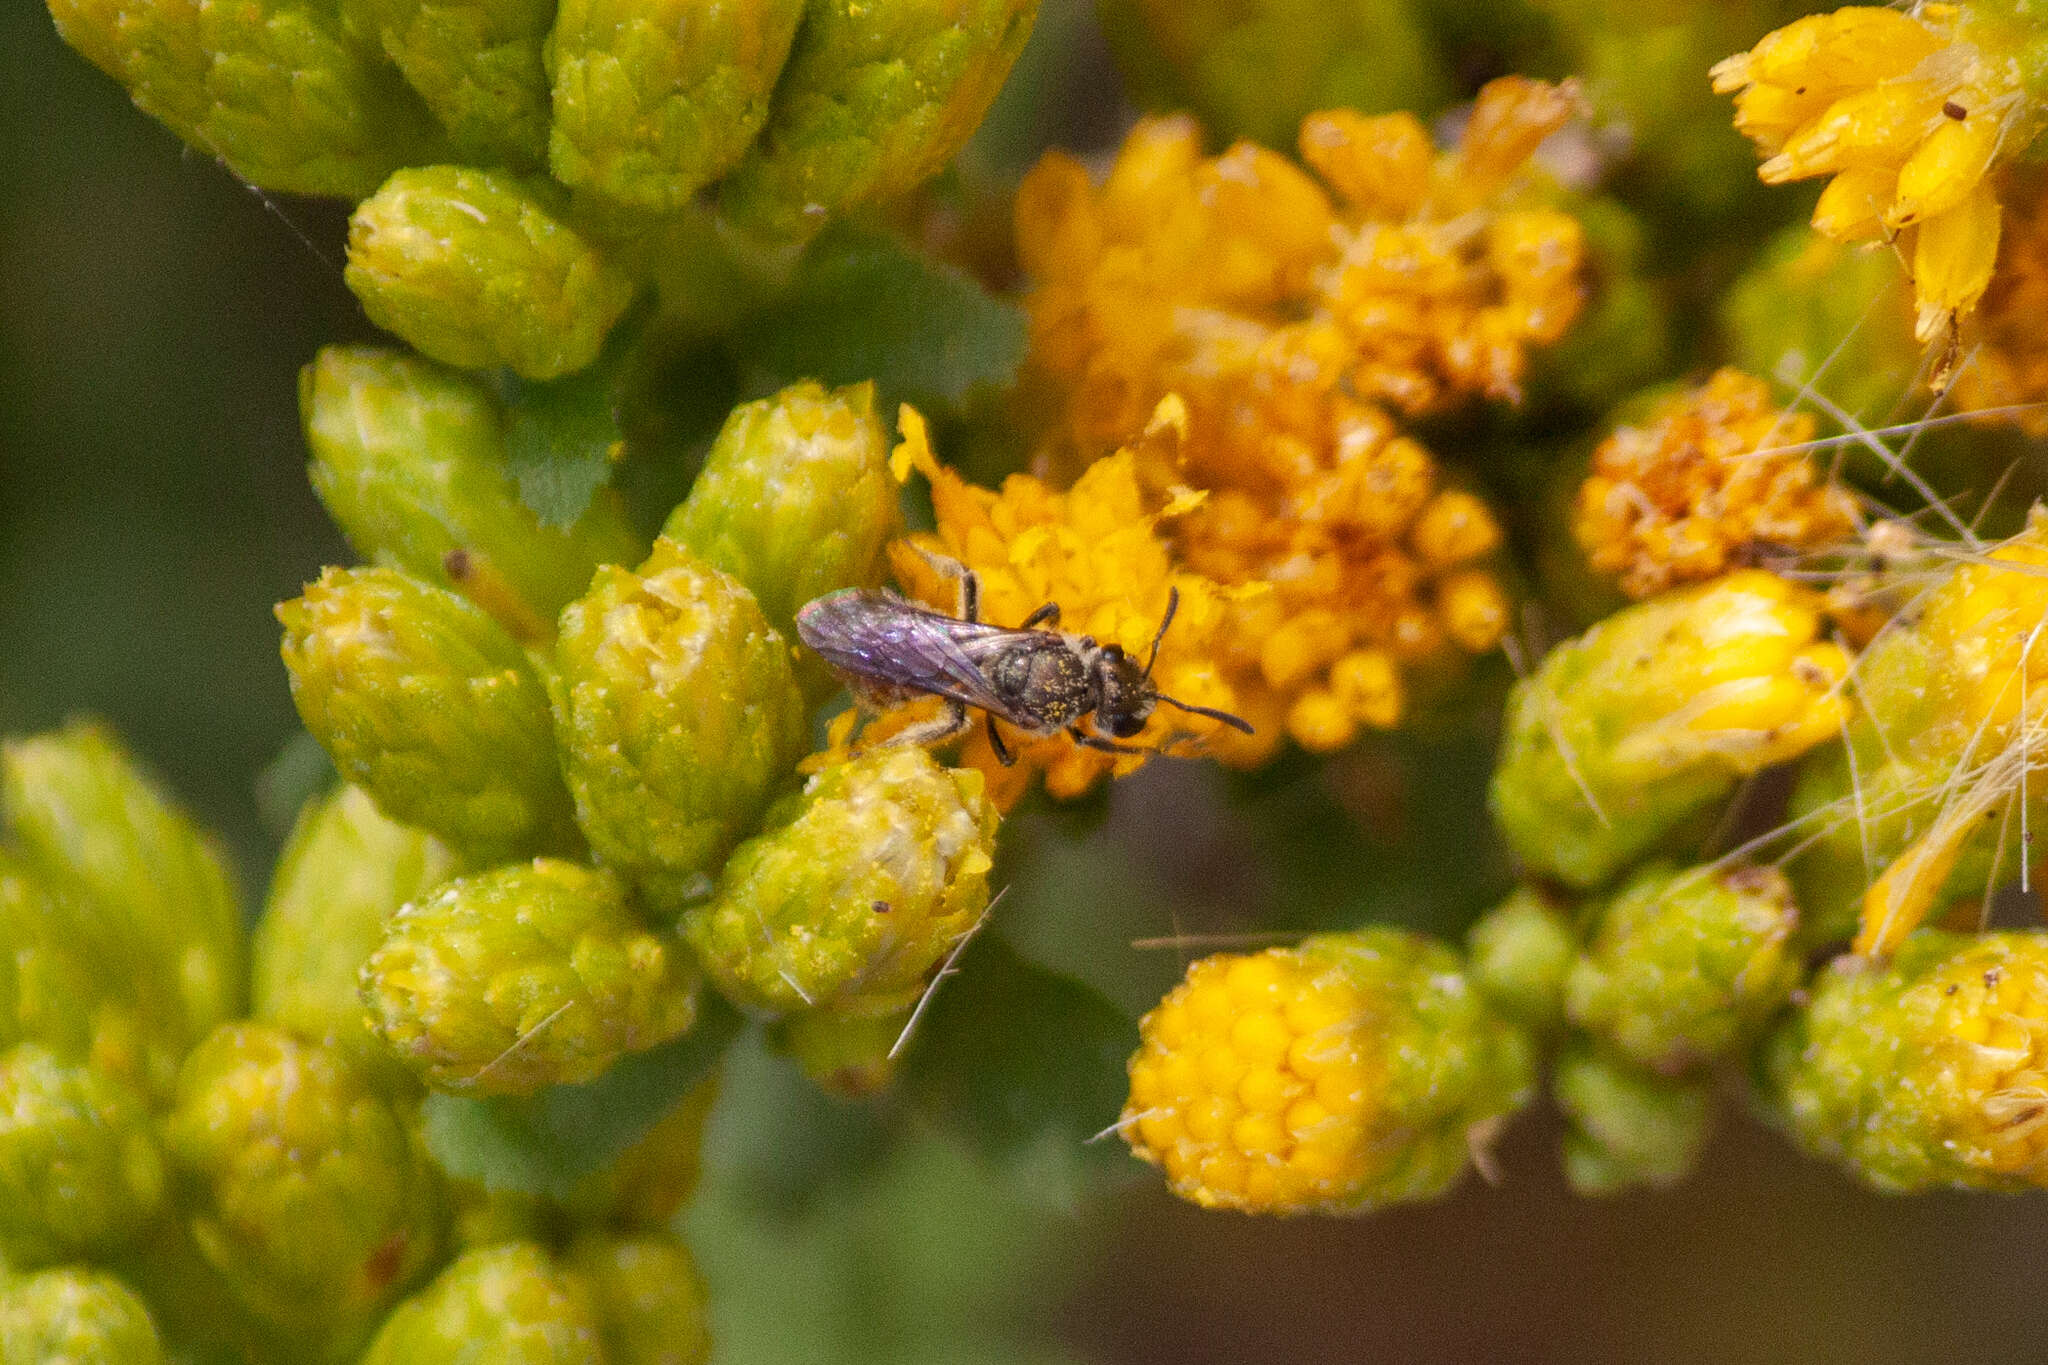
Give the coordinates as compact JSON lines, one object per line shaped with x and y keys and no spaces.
{"x":1041,"y":681}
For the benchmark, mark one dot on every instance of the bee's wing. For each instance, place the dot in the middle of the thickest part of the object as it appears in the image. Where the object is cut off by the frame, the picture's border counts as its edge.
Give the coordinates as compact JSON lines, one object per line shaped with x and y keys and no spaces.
{"x":881,"y":639}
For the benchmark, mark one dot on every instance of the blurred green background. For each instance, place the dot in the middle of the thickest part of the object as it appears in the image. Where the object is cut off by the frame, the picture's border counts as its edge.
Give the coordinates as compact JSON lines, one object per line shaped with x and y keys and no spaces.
{"x":153,"y":506}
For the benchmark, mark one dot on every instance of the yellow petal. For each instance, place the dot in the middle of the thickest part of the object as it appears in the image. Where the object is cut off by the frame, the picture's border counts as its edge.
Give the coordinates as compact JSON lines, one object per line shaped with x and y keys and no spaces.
{"x":1875,"y":127}
{"x":1947,"y":166}
{"x":1953,"y":259}
{"x":1852,"y":207}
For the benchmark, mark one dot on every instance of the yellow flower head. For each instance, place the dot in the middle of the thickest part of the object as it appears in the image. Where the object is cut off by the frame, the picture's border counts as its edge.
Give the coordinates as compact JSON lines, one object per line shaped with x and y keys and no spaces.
{"x":1284,"y":309}
{"x":1714,"y":475}
{"x":1909,"y":112}
{"x":1351,"y":1071}
{"x":1095,"y":549}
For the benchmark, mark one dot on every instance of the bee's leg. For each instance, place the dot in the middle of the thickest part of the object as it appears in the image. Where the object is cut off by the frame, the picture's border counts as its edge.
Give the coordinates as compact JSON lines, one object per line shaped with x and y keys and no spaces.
{"x":967,"y":606}
{"x":995,"y":741}
{"x":936,"y":729}
{"x":967,"y":602}
{"x":1047,"y":615}
{"x":1082,"y":737}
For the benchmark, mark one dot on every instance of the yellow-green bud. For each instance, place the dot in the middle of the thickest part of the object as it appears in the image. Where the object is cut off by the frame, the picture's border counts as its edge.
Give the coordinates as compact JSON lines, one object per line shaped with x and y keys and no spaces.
{"x":654,"y":99}
{"x":409,"y":458}
{"x":314,"y":1202}
{"x":648,"y":1296}
{"x":153,"y":887}
{"x":795,"y":500}
{"x":345,"y":871}
{"x":878,"y":96}
{"x":509,"y":1304}
{"x":56,"y":987}
{"x":1926,"y":1072}
{"x":1520,"y":952}
{"x":475,"y":269}
{"x":75,"y":1316}
{"x":1652,"y":716}
{"x":1917,"y":805}
{"x":524,"y":976}
{"x":855,"y":890}
{"x":1627,"y":1127}
{"x":80,"y":1169}
{"x":429,"y":705}
{"x":476,"y":63}
{"x":274,"y":89}
{"x":678,"y":716}
{"x":1685,"y":967}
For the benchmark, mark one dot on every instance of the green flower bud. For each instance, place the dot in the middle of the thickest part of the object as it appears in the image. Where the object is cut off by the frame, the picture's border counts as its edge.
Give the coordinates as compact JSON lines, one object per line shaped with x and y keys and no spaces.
{"x":1809,"y":302}
{"x":843,"y":1051}
{"x":795,"y":500}
{"x":473,"y":269}
{"x":314,"y":1202}
{"x":1352,"y":1071}
{"x":524,"y":976}
{"x":476,"y":63}
{"x":878,"y":96}
{"x":1256,"y":68}
{"x":508,"y":1304}
{"x":648,"y":1296}
{"x":1917,"y":806}
{"x":1926,"y":1072}
{"x":274,"y":89}
{"x":654,"y":99}
{"x":151,"y":889}
{"x":1686,"y":967}
{"x":410,"y":460}
{"x":1655,"y":714}
{"x":80,"y":1170}
{"x":75,"y":1316}
{"x":651,"y":1180}
{"x":677,"y":715}
{"x":1628,"y":1127}
{"x":55,"y":987}
{"x":1520,"y":952}
{"x":346,"y":870}
{"x":423,"y":700}
{"x":855,"y":890}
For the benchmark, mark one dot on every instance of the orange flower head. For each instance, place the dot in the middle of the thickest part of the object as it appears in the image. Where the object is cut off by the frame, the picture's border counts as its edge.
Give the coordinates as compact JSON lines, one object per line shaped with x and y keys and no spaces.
{"x":1714,"y":475}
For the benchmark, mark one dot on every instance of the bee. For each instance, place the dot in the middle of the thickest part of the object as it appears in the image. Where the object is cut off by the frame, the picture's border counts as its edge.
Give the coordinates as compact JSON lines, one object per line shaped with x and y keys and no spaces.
{"x":1034,"y":676}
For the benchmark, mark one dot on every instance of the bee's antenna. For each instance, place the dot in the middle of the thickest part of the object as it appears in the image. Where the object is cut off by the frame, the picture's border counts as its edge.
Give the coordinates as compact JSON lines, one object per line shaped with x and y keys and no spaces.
{"x":1172,"y":606}
{"x":1234,"y":722}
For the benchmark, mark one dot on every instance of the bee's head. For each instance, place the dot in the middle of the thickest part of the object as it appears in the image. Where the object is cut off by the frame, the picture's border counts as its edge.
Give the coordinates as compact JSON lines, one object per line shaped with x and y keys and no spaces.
{"x":1127,"y":694}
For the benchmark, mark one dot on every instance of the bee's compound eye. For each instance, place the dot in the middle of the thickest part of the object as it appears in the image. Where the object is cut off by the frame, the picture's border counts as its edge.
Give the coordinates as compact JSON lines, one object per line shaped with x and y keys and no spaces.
{"x":1126,"y":725}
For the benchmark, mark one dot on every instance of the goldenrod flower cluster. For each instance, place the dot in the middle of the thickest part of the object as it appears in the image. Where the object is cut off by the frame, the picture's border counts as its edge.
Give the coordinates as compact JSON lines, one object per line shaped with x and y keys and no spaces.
{"x":1290,"y":313}
{"x":1710,"y":479}
{"x":1909,"y":112}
